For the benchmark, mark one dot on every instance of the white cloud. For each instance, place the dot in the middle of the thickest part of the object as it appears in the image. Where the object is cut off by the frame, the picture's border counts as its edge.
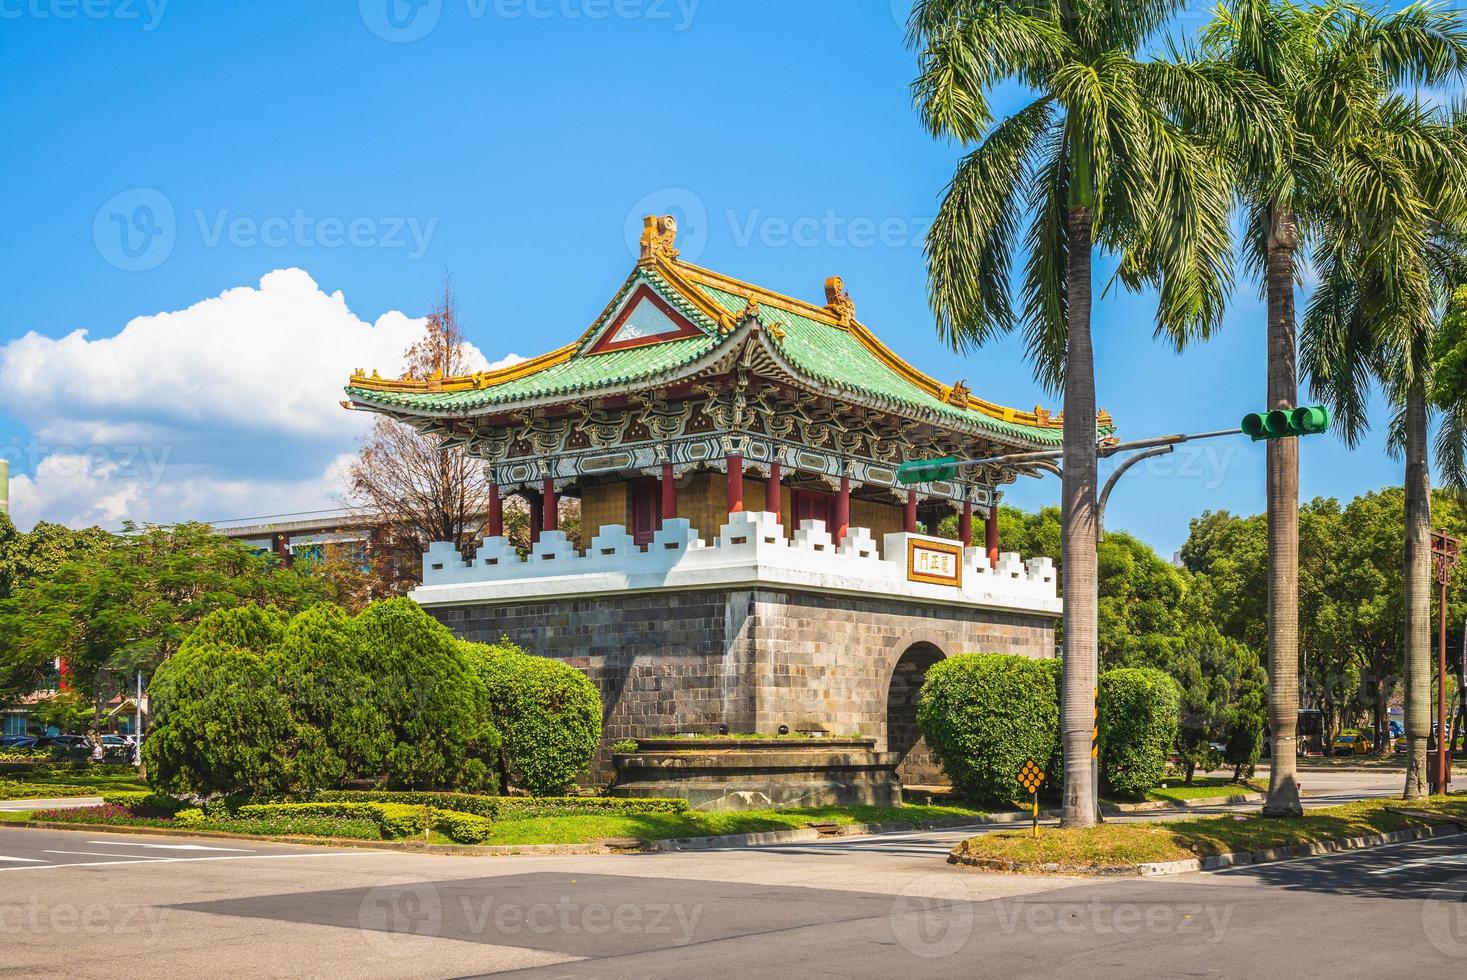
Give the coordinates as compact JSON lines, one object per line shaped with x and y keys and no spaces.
{"x":230,"y":407}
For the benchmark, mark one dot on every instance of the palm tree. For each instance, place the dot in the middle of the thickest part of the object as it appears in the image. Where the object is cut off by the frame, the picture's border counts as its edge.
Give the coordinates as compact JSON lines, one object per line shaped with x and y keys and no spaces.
{"x":1390,"y":254}
{"x":1327,"y":64}
{"x":1107,"y":155}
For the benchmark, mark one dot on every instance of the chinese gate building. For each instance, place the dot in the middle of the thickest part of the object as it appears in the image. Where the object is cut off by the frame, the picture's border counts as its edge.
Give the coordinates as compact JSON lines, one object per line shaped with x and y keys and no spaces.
{"x":747,"y":557}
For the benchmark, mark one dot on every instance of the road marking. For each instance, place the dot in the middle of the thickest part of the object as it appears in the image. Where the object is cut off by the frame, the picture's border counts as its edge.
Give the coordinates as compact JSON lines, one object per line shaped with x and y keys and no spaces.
{"x":26,"y":860}
{"x":1359,"y":852}
{"x":168,"y":860}
{"x":105,"y":854}
{"x":1424,"y":862}
{"x":171,"y":847}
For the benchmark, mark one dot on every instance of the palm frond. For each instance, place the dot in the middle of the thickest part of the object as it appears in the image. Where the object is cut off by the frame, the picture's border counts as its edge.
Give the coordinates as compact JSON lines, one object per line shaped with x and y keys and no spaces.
{"x":969,"y":247}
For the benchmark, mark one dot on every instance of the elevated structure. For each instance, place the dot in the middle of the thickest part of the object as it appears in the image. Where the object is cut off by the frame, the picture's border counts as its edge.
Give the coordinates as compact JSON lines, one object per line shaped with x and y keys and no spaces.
{"x":747,"y":558}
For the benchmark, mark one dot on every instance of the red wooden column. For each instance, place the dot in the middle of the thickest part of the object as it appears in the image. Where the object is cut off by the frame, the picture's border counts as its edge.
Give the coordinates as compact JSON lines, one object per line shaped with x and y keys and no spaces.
{"x":735,"y":463}
{"x":911,"y":511}
{"x":843,"y":509}
{"x":669,"y":493}
{"x":990,"y":535}
{"x":496,"y":512}
{"x":773,"y":494}
{"x":537,"y":512}
{"x":965,"y":524}
{"x":551,"y":512}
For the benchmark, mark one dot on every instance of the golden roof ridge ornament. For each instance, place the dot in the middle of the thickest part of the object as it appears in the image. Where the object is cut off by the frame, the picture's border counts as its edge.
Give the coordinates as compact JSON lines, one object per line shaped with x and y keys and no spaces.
{"x":838,"y":302}
{"x":959,"y":395}
{"x":659,"y":239}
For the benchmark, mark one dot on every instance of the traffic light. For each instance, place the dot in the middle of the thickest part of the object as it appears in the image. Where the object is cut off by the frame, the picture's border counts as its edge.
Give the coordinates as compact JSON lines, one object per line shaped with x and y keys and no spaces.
{"x":1283,"y":423}
{"x":927,"y":470}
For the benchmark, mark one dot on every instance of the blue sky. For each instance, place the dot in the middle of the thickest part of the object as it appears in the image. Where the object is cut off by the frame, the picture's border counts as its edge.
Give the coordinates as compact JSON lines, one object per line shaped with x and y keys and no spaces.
{"x":512,"y":144}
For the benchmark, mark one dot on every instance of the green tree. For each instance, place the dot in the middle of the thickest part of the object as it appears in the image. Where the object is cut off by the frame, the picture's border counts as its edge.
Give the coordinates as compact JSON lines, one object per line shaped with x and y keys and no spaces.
{"x":1388,"y":265}
{"x":221,"y":725}
{"x":127,"y":604}
{"x":439,"y":730}
{"x":1326,"y":64}
{"x":1111,"y":155}
{"x":548,"y":713}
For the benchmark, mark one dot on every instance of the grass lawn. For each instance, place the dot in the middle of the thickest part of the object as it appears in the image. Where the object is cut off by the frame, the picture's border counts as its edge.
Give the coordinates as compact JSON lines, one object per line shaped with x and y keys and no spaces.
{"x":24,"y":786}
{"x":19,"y":816}
{"x":1113,"y":845}
{"x":586,"y":828}
{"x":1205,"y":787}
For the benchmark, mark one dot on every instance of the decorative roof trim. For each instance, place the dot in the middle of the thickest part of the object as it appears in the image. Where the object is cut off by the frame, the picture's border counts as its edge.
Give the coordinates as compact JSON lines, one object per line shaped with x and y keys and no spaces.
{"x":465,"y":382}
{"x":644,"y":292}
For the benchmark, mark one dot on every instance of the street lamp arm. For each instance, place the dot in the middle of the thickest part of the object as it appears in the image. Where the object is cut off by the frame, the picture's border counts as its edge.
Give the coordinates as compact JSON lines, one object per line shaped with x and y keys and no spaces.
{"x":1120,"y":471}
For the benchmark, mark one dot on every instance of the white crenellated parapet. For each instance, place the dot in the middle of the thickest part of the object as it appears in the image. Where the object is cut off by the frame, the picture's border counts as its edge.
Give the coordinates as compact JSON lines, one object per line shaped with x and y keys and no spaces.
{"x":750,"y":550}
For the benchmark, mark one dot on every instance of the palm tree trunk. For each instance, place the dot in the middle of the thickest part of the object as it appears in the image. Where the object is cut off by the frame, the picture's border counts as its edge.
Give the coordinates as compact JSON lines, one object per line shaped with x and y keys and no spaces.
{"x":1418,"y":592}
{"x":1283,"y":526}
{"x":1077,"y":721}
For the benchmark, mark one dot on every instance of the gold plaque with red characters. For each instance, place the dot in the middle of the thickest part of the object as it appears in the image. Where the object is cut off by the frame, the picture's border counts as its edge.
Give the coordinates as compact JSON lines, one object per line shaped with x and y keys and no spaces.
{"x":935,"y":562}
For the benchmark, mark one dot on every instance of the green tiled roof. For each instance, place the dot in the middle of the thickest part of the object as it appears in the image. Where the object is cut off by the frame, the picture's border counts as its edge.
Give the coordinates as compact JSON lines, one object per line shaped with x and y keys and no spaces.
{"x":838,"y":359}
{"x":825,"y":353}
{"x":577,"y":374}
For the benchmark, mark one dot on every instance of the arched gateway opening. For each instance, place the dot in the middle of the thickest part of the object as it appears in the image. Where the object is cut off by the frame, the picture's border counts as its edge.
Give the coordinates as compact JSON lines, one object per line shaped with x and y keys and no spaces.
{"x":917,"y":767}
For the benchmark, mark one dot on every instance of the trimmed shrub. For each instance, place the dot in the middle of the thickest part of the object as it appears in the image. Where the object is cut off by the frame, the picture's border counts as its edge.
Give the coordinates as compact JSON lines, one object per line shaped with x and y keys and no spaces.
{"x":984,"y":716}
{"x":334,"y":697}
{"x":518,"y":807}
{"x":438,"y":714}
{"x":220,"y":724}
{"x":394,"y":821}
{"x":1140,"y":714}
{"x":462,"y":828}
{"x":548,"y":713}
{"x":254,"y":628}
{"x":483,"y":806}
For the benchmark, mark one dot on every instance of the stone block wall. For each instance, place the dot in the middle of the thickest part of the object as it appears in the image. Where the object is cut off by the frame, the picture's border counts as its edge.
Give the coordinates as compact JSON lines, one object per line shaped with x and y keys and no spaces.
{"x":671,"y":661}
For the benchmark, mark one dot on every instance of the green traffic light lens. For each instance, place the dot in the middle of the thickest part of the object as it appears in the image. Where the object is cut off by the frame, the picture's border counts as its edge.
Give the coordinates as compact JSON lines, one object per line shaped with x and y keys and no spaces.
{"x":1311,"y":421}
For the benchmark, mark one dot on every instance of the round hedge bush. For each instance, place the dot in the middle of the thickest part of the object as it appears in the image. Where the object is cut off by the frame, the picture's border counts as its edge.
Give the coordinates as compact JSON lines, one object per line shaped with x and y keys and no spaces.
{"x":548,"y":714}
{"x":984,"y":716}
{"x":1140,"y":715}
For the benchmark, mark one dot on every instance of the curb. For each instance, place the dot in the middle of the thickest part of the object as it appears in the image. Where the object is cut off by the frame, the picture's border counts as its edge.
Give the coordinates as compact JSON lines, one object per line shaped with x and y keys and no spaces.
{"x":1160,"y":869}
{"x":809,"y":834}
{"x":1202,"y":801}
{"x":414,"y":847}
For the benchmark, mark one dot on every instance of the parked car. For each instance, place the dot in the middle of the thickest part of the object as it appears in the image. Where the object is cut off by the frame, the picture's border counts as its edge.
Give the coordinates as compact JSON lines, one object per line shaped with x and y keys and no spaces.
{"x":17,"y":742}
{"x":1347,"y":744}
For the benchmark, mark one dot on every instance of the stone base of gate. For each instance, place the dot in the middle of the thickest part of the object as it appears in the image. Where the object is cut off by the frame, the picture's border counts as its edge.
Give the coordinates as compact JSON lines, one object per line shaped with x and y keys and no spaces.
{"x":721,"y":774}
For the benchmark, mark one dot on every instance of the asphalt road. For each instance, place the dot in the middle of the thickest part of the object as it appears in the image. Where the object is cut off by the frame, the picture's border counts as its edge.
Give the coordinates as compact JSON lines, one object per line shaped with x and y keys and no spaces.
{"x":99,"y":905}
